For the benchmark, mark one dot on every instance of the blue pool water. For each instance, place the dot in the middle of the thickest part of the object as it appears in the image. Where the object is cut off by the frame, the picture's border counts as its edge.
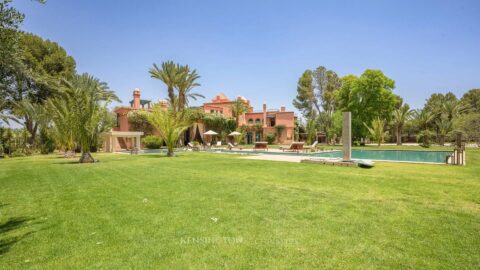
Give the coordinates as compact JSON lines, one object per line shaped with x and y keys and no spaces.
{"x":394,"y":155}
{"x":389,"y":155}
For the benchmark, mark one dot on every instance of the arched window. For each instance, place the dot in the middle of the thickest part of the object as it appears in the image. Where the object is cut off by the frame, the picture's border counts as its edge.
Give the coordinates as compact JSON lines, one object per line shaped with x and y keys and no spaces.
{"x":257,"y":121}
{"x":250,"y":121}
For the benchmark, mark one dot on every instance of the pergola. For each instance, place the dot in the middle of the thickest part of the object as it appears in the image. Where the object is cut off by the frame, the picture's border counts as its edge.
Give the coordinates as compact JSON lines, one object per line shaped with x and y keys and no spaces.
{"x":111,"y":139}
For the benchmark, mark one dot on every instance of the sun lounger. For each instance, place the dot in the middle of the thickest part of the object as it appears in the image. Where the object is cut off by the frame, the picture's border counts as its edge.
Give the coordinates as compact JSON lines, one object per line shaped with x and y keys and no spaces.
{"x":294,"y":147}
{"x":310,"y":147}
{"x":260,"y":146}
{"x":231,"y":147}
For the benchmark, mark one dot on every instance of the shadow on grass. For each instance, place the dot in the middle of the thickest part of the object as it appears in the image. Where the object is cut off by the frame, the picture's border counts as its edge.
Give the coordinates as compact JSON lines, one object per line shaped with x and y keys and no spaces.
{"x":11,"y":226}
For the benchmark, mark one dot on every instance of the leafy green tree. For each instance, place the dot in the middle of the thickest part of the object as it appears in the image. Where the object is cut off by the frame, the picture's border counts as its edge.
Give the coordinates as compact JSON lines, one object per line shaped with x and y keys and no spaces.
{"x":368,"y":97}
{"x":218,"y":122}
{"x":469,"y":124}
{"x":335,"y":130}
{"x":170,"y":125}
{"x":311,"y":129}
{"x":400,"y":117}
{"x":316,"y":92}
{"x":471,"y":100}
{"x":10,"y":20}
{"x":89,"y":98}
{"x":138,"y":120}
{"x":377,"y":130}
{"x":327,"y":83}
{"x":44,"y":65}
{"x":305,"y":99}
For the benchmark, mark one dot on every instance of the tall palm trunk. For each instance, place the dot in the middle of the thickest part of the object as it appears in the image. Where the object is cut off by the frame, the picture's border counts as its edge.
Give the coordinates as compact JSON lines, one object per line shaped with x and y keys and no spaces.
{"x":441,"y":140}
{"x":86,"y":158}
{"x":170,"y":152}
{"x":399,"y":136}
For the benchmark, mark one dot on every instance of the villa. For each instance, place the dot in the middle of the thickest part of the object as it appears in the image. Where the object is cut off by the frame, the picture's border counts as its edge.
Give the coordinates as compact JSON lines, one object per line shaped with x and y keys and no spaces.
{"x":257,"y":124}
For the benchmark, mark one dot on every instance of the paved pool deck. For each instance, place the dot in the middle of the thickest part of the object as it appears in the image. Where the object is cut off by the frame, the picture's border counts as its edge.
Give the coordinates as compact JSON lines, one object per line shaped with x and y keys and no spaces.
{"x":285,"y":158}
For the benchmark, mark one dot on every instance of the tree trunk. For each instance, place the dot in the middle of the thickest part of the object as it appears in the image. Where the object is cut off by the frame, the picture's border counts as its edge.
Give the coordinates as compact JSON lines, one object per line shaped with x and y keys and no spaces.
{"x":86,"y":158}
{"x":441,"y":140}
{"x":399,"y":137}
{"x":170,"y":152}
{"x":69,"y":154}
{"x":31,"y":127}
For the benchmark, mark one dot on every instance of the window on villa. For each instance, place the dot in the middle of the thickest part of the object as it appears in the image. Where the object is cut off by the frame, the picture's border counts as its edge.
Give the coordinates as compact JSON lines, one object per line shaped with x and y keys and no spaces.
{"x":212,"y":111}
{"x":272,"y":122}
{"x":257,"y":121}
{"x":250,"y":121}
{"x":118,"y":120}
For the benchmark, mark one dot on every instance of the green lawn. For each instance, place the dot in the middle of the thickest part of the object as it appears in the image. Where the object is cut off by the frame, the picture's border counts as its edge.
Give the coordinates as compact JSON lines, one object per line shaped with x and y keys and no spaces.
{"x":207,"y":210}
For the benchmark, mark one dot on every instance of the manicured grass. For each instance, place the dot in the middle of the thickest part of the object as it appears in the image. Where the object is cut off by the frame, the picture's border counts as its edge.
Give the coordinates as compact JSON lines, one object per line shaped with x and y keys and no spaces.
{"x":207,"y":210}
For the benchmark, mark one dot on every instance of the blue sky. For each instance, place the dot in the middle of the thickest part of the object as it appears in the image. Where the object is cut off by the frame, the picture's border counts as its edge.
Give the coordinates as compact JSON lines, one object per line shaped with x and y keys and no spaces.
{"x":259,"y":49}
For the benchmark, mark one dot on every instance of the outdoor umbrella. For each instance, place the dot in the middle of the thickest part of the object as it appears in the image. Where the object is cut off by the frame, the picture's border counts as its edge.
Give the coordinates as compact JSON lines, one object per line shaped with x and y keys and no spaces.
{"x":235,"y":133}
{"x":210,"y":133}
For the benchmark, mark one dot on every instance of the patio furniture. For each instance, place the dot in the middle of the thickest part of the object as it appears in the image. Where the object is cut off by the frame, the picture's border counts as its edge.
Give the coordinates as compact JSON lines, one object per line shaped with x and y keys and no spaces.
{"x":193,"y":147}
{"x":207,"y":146}
{"x":219,"y":143}
{"x":231,"y":147}
{"x":294,"y":147}
{"x":260,"y":146}
{"x":365,"y":163}
{"x":310,"y":147}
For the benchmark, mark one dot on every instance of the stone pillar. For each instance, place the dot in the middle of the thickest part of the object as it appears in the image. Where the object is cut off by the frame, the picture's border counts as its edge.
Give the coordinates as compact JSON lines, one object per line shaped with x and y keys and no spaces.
{"x":113,"y":145}
{"x":137,"y":142}
{"x":347,"y":136}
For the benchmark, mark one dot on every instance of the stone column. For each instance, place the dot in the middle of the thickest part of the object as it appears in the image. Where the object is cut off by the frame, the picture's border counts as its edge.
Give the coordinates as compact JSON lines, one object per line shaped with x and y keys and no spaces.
{"x":137,"y":142}
{"x":347,"y":136}
{"x":114,"y":140}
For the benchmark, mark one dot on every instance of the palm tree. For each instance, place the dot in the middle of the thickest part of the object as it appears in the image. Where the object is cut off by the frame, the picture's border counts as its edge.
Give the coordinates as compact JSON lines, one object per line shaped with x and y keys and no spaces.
{"x":452,"y":109}
{"x":238,"y":108}
{"x":423,"y":119}
{"x":400,"y":117}
{"x":377,"y":130}
{"x":444,"y":127}
{"x":168,"y":74}
{"x":186,"y":81}
{"x":5,"y":117}
{"x":33,"y":114}
{"x":63,"y":124}
{"x":169,"y":124}
{"x":88,"y":100}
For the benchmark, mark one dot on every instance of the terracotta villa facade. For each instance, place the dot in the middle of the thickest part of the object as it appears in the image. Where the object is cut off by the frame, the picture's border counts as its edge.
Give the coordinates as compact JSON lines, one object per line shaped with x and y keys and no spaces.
{"x":256,"y":123}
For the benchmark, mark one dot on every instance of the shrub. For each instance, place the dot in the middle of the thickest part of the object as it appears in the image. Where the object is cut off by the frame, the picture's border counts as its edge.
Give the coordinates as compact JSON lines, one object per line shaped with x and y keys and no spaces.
{"x":138,"y":121}
{"x":152,"y":142}
{"x":424,"y":137}
{"x":270,"y":138}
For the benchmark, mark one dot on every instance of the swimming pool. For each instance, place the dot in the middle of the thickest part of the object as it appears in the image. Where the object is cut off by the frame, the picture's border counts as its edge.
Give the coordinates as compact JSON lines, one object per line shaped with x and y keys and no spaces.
{"x":393,"y":155}
{"x":384,"y":155}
